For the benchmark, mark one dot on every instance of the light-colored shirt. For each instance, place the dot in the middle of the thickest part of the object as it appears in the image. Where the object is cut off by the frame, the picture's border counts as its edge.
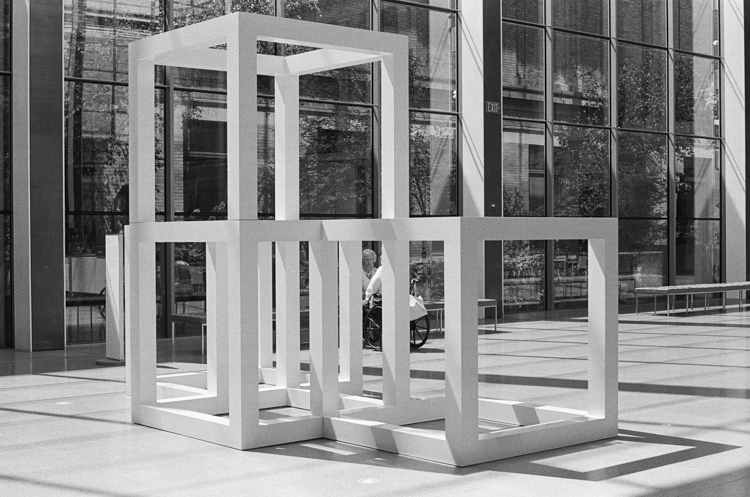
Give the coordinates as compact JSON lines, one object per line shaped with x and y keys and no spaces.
{"x":376,"y":282}
{"x":366,"y":281}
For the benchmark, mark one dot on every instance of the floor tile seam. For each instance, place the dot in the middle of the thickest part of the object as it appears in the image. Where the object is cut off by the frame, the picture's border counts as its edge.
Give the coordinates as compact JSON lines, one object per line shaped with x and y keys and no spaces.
{"x":54,"y":385}
{"x":54,"y":399}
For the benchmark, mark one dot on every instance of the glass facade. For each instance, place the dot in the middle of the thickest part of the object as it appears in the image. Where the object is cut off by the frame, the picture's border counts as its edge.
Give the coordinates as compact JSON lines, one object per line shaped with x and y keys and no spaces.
{"x":338,"y":136}
{"x":596,"y":122}
{"x":624,"y":124}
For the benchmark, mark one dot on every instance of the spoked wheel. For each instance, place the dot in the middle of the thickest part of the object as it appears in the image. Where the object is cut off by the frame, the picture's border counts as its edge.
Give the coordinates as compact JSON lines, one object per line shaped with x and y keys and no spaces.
{"x":372,"y":328}
{"x":419,"y":331}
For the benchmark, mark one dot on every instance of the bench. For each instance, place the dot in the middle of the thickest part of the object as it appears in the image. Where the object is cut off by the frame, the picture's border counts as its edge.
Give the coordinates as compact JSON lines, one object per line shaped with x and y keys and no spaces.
{"x":438,"y":306}
{"x":690,"y":290}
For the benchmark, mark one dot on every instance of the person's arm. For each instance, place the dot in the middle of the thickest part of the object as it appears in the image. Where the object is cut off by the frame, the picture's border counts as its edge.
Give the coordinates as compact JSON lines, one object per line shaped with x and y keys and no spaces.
{"x":375,"y":283}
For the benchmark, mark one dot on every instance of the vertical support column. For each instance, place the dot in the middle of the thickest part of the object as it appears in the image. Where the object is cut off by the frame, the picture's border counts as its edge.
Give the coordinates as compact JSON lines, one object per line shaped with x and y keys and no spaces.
{"x":242,"y":204}
{"x":471,"y":103}
{"x":242,"y":343}
{"x":141,"y":284}
{"x":115,"y":301}
{"x":20,"y":175}
{"x":142,"y":149}
{"x":461,"y":344}
{"x":287,"y":208}
{"x":602,"y":307}
{"x":242,"y":126}
{"x":265,"y":305}
{"x":217,"y":272}
{"x":287,"y":147}
{"x":287,"y":314}
{"x":471,"y":87}
{"x":395,"y":134}
{"x":734,"y":177}
{"x":323,"y":330}
{"x":395,"y":331}
{"x":38,"y":179}
{"x":549,"y":160}
{"x":350,"y":316}
{"x":671,"y":168}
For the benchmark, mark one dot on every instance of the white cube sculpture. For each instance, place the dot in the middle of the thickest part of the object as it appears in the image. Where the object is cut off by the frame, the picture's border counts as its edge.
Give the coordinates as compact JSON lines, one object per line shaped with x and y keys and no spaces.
{"x":241,"y":381}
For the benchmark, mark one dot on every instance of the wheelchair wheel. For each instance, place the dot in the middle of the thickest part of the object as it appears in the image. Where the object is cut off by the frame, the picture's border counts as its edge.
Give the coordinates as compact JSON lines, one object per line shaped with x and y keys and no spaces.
{"x":372,"y":328}
{"x":419,"y":331}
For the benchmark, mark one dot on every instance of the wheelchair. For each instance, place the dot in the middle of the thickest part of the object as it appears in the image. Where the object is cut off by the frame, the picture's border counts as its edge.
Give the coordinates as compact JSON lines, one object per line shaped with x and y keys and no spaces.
{"x":372,"y":325}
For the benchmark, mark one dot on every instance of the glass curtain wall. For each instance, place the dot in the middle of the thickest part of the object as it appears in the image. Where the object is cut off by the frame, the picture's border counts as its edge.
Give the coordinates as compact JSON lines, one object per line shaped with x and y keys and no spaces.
{"x":646,"y":151}
{"x":338,"y":136}
{"x":96,"y":35}
{"x":6,"y":321}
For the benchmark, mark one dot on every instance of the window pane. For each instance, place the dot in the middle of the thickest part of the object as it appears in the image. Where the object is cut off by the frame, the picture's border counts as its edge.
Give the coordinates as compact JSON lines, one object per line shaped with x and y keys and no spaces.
{"x":6,"y":304}
{"x":192,"y":11}
{"x":351,"y":13}
{"x":448,"y":4}
{"x":96,"y":145}
{"x":350,"y":84}
{"x":5,"y":143}
{"x":642,"y":175}
{"x":643,"y":254}
{"x":696,"y":24}
{"x":432,"y":53}
{"x":523,"y":71}
{"x":642,"y":88}
{"x":5,"y":38}
{"x":96,"y":35}
{"x":589,"y":16}
{"x":698,"y":247}
{"x":523,"y":275}
{"x":335,"y":160}
{"x":200,"y":156}
{"x":433,"y":165}
{"x":581,"y":171}
{"x":644,"y":21}
{"x":529,"y":11}
{"x":523,"y":169}
{"x":696,"y":95}
{"x":571,"y":273}
{"x":698,"y":178}
{"x":581,"y":79}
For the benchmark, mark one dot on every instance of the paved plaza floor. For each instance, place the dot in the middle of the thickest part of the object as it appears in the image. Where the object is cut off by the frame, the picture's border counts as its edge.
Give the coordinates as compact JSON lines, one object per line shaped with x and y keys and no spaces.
{"x":684,"y":409}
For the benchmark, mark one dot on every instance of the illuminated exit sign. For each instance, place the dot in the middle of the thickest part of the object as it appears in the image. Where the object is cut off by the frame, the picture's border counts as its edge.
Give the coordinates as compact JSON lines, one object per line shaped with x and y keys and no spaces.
{"x":492,"y":107}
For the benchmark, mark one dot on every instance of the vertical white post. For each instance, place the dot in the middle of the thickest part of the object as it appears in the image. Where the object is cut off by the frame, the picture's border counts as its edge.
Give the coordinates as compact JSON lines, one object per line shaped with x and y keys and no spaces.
{"x":242,"y":126}
{"x":323,"y":330}
{"x":287,"y":147}
{"x":242,"y":300}
{"x":395,"y":134}
{"x":461,"y":348}
{"x":350,"y":316}
{"x":603,"y":295}
{"x":242,"y":203}
{"x":265,"y":305}
{"x":115,"y":301}
{"x":287,"y":208}
{"x":287,"y":314}
{"x":471,"y":77}
{"x":142,"y":141}
{"x":734,"y":172}
{"x":141,"y":321}
{"x":395,"y":339}
{"x":217,"y":311}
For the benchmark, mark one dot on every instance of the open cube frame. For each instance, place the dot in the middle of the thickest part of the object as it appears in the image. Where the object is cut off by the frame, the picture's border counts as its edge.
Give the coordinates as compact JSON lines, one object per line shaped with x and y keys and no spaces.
{"x":240,"y":379}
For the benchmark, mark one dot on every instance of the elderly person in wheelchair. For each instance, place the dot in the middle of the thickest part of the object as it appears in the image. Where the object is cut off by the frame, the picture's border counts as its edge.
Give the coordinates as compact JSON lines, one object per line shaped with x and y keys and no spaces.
{"x":372,"y":310}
